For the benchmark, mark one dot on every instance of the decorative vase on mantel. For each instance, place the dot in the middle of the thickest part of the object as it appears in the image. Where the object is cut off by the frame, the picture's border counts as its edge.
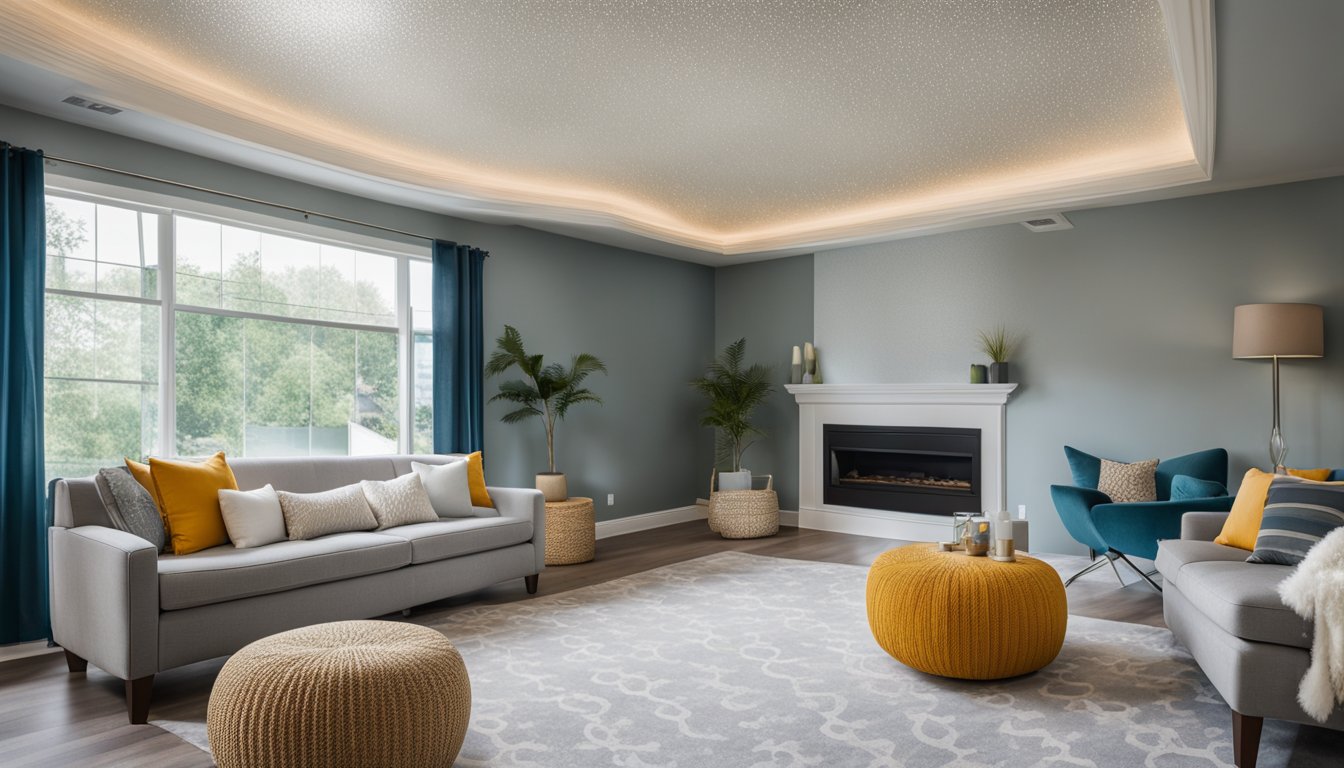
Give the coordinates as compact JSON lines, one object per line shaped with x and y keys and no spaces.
{"x":553,"y":485}
{"x":998,"y":373}
{"x":979,"y":374}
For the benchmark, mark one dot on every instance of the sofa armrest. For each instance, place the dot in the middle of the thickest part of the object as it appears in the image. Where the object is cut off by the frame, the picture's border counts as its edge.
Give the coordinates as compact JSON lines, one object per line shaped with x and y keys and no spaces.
{"x":525,"y":502}
{"x":1202,"y":526}
{"x":105,"y":598}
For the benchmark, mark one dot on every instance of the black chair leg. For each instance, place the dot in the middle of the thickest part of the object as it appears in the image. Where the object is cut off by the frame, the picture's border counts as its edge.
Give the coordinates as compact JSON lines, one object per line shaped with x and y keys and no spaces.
{"x":1147,"y":575}
{"x":1097,"y":562}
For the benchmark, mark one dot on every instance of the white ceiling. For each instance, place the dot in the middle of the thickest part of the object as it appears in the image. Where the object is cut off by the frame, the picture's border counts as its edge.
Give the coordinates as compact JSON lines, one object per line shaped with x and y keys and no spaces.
{"x":704,"y":129}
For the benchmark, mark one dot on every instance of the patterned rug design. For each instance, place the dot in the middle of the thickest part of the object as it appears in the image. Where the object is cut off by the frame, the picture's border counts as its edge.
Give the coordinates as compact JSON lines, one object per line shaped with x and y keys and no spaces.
{"x":742,"y":660}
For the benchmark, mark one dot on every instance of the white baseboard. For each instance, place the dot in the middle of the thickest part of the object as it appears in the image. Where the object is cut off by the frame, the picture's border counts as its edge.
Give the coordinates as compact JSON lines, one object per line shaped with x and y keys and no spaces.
{"x":651,"y":520}
{"x":24,"y":650}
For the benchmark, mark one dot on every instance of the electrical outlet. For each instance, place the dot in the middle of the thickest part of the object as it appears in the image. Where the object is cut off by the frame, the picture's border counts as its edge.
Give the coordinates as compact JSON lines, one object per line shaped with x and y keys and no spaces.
{"x":611,"y":499}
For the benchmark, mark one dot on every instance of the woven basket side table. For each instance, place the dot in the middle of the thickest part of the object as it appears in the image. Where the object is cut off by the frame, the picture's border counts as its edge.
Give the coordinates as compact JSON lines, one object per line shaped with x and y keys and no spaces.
{"x":349,"y":693}
{"x":571,"y":533}
{"x":744,"y":514}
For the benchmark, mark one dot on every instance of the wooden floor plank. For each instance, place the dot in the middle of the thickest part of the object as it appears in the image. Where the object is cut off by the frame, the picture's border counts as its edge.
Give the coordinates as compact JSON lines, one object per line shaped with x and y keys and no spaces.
{"x":49,"y":717}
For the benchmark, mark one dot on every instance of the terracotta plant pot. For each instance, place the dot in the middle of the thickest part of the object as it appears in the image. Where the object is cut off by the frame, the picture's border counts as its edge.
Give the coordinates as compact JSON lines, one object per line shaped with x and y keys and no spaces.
{"x":553,"y":485}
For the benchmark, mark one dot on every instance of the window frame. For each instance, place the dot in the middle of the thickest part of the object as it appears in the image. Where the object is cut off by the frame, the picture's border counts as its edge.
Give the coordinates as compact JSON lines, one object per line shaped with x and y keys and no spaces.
{"x":168,"y":208}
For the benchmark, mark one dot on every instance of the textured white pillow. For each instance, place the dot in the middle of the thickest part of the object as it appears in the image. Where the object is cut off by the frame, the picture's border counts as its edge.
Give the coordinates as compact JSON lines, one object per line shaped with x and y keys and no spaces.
{"x":252,"y":518}
{"x":447,"y":486}
{"x":309,"y":515}
{"x":398,"y":502}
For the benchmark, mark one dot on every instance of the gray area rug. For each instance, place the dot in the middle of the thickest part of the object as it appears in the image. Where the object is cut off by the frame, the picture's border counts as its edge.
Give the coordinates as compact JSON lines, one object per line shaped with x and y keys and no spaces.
{"x":741,"y":660}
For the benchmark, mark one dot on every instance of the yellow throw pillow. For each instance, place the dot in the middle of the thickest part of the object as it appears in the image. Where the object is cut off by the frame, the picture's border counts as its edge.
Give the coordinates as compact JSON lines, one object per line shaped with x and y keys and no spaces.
{"x":143,"y":476}
{"x":480,"y":497}
{"x":1243,"y":525}
{"x":188,"y":494}
{"x":1318,"y":475}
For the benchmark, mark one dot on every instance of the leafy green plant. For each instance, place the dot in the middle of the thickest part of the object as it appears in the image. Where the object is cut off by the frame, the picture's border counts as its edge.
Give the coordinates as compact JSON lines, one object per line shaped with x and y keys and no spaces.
{"x":546,"y":391}
{"x":998,"y":344}
{"x":733,"y":394}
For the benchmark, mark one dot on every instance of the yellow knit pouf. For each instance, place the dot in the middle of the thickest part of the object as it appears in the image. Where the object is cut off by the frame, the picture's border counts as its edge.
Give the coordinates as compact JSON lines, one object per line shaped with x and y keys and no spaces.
{"x":951,"y":615}
{"x":350,"y":693}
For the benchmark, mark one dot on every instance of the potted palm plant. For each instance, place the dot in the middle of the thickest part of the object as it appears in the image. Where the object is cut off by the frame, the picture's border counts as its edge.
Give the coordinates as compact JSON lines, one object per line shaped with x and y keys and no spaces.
{"x":733,"y":392}
{"x":545,"y":391}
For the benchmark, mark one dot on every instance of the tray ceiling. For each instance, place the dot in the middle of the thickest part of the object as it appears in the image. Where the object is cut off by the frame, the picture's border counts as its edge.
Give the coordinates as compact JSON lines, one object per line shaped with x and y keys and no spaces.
{"x":728,"y":126}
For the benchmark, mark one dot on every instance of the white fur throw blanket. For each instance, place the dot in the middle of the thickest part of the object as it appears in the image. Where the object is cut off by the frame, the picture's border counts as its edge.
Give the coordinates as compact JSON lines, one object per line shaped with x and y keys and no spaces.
{"x":1315,"y":590}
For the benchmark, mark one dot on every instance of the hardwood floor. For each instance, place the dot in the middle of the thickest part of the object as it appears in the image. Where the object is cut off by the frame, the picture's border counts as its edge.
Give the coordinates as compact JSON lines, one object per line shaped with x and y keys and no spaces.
{"x":49,"y":717}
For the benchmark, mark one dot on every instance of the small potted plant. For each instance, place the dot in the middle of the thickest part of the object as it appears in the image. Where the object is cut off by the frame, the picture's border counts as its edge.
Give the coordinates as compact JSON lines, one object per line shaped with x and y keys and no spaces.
{"x":998,"y":344}
{"x":545,"y":391}
{"x":733,"y":392}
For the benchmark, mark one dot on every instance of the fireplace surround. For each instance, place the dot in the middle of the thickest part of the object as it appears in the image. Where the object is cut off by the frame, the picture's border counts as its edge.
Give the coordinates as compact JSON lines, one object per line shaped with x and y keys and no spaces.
{"x":929,"y":410}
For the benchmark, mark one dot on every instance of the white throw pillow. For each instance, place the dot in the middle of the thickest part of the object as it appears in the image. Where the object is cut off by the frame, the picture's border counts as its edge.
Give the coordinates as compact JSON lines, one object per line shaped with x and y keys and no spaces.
{"x":252,"y":518}
{"x":447,"y":486}
{"x":398,"y":502}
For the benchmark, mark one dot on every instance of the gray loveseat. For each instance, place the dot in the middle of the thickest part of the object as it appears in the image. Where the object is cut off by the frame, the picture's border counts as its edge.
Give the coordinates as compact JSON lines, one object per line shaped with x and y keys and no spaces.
{"x":1227,"y":612}
{"x":118,"y":603}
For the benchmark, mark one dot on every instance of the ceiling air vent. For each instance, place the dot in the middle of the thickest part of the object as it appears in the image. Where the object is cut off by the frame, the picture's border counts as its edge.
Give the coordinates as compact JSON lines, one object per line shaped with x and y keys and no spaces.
{"x":1047,"y":221}
{"x":80,"y":101}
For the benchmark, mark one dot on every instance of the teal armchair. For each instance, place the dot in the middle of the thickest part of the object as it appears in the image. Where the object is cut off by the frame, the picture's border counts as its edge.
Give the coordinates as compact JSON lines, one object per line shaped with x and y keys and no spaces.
{"x":1113,"y":531}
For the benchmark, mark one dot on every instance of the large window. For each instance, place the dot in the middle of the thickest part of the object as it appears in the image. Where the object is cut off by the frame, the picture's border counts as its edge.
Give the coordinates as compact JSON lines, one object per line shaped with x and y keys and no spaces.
{"x":173,"y":332}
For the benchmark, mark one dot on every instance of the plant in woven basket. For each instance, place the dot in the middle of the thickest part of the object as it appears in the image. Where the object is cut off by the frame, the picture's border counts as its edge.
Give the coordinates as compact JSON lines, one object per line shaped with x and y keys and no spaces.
{"x":733,"y":392}
{"x":545,"y":391}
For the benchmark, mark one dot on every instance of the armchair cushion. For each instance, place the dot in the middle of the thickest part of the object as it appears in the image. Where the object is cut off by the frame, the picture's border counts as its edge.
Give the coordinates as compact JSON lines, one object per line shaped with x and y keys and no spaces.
{"x":1187,"y":487}
{"x":1136,"y":528}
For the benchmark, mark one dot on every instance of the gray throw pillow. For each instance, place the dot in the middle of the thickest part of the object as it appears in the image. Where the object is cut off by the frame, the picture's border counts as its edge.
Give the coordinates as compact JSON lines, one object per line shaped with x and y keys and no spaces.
{"x":129,"y":506}
{"x":1298,"y":514}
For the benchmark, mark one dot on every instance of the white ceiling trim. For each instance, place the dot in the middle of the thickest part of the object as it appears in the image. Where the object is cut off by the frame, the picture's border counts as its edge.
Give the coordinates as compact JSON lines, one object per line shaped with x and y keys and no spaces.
{"x":1191,"y":37}
{"x":246,"y":129}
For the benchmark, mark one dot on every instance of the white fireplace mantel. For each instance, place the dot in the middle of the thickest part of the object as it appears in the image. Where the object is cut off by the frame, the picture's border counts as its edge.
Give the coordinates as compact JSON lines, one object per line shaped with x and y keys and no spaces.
{"x":969,"y":406}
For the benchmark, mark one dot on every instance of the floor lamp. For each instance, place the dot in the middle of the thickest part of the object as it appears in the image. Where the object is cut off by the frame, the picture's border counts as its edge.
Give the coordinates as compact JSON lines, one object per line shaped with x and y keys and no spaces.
{"x":1272,"y":331}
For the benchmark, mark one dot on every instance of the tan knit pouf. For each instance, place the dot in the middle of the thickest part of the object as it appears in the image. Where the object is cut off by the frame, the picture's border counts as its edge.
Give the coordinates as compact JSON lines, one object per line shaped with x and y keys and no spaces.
{"x":350,"y":693}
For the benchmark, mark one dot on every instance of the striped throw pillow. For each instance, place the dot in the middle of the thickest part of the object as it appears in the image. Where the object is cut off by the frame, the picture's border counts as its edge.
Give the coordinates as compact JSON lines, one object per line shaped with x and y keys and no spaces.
{"x":1298,"y":513}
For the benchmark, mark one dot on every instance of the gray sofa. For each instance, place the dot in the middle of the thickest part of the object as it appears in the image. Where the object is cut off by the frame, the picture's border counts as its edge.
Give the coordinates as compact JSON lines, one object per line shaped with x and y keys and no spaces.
{"x":1227,"y":612}
{"x":118,"y":603}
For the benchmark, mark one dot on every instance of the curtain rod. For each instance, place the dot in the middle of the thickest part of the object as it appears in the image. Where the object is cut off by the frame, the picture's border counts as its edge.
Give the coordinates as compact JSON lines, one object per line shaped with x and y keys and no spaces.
{"x":244,"y":198}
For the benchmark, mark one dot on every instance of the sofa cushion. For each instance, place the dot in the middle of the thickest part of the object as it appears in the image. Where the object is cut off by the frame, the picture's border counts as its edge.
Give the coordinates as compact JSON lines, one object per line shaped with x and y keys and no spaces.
{"x":461,"y":536}
{"x":1240,"y":597}
{"x":226,"y":573}
{"x":1175,"y":554}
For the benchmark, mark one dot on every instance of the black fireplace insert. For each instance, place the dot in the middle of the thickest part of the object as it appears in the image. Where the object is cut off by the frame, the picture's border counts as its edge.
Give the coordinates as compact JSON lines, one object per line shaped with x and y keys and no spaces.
{"x":928,"y":470}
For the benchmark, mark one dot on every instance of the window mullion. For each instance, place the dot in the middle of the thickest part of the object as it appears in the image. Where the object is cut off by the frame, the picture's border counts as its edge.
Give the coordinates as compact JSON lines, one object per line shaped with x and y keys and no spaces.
{"x":405,"y":359}
{"x":167,"y":442}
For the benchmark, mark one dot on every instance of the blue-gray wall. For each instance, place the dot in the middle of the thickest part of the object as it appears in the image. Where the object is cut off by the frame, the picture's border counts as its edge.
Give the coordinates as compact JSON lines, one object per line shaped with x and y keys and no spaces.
{"x":769,"y":303}
{"x":1127,"y":320}
{"x":650,"y":319}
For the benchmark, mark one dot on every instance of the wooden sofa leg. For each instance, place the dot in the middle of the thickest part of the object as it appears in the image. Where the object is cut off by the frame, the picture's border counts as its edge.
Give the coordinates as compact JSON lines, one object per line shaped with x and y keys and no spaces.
{"x":531,"y":582}
{"x":75,"y":663}
{"x":138,"y":692}
{"x":1246,"y":739}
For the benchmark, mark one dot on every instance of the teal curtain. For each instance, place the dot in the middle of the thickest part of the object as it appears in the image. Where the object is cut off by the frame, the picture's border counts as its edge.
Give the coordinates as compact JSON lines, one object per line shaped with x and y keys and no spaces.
{"x":23,"y":523}
{"x":459,"y":353}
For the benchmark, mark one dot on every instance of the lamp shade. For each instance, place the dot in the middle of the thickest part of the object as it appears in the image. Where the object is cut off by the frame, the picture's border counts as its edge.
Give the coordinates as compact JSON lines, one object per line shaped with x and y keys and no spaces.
{"x":1278,"y":330}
